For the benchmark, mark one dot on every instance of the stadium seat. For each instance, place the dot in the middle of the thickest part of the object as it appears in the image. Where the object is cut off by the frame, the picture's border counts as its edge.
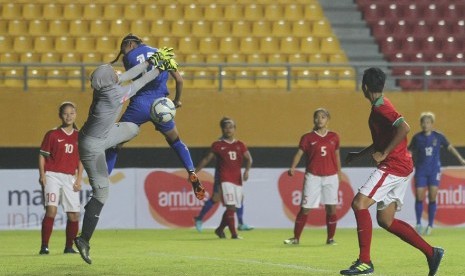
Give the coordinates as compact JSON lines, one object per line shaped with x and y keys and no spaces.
{"x":249,"y":45}
{"x":235,"y":58}
{"x":420,"y":29}
{"x":241,"y":28}
{"x":289,"y":45}
{"x":283,"y":79}
{"x":173,"y":12}
{"x":338,"y":58}
{"x":304,"y":78}
{"x":100,"y":27}
{"x":293,"y":11}
{"x":269,"y":45}
{"x":229,"y":45}
{"x":93,"y":11}
{"x":50,"y":57}
{"x":221,"y":28}
{"x":36,"y":77}
{"x":72,"y":11}
{"x":58,"y":27}
{"x":3,"y":27}
{"x":107,"y":44}
{"x":317,"y":58}
{"x":7,"y":57}
{"x":85,"y":44}
{"x":432,"y":13}
{"x":297,"y":58}
{"x":133,"y":11}
{"x":201,"y":28}
{"x":56,"y":78}
{"x":91,"y":57}
{"x":6,"y":43}
{"x":313,"y":12}
{"x":71,"y":57}
{"x":215,"y":58}
{"x":14,"y":78}
{"x":261,"y":28}
{"x":276,"y":58}
{"x":31,"y":11}
{"x":43,"y":44}
{"x":153,"y":11}
{"x":204,"y":79}
{"x":266,"y":79}
{"x":327,"y":79}
{"x":441,"y":30}
{"x":52,"y":11}
{"x":372,"y":13}
{"x":11,"y":11}
{"x":253,"y":11}
{"x":180,"y":28}
{"x":244,"y":79}
{"x":187,"y":45}
{"x":309,"y":45}
{"x":167,"y":42}
{"x":347,"y":79}
{"x":400,"y":29}
{"x":213,"y":12}
{"x":75,"y":78}
{"x":120,"y":27}
{"x":193,"y":12}
{"x":322,"y":28}
{"x":38,"y":27}
{"x":430,"y":45}
{"x":301,"y":28}
{"x":64,"y":44}
{"x":194,"y":58}
{"x":273,"y":12}
{"x":17,"y":27}
{"x":113,"y":11}
{"x":157,"y":27}
{"x":233,"y":12}
{"x":411,"y":11}
{"x":23,"y":44}
{"x":451,"y":46}
{"x":256,"y":58}
{"x":78,"y":27}
{"x":281,"y":28}
{"x":208,"y":45}
{"x":30,"y":57}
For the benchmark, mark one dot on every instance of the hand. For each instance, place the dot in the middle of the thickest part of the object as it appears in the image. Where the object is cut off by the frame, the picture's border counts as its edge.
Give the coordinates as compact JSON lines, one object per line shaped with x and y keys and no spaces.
{"x":379,"y":156}
{"x":42,"y":181}
{"x":77,"y":185}
{"x":177,"y":103}
{"x":351,"y":156}
{"x":291,"y":172}
{"x":170,"y":65}
{"x":245,"y":177}
{"x":160,"y":56}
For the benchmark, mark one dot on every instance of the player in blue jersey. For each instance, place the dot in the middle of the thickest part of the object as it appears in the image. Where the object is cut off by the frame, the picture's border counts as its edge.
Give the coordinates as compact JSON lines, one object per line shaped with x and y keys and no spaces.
{"x":134,"y":52}
{"x":425,"y":147}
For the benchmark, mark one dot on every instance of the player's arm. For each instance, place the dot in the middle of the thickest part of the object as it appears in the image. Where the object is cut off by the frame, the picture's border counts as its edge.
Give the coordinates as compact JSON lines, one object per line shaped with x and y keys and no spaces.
{"x":179,"y":85}
{"x":248,"y":164}
{"x":456,"y":153}
{"x":207,"y":159}
{"x":353,"y":155}
{"x":42,"y":180}
{"x":402,"y":130}
{"x":295,"y":161}
{"x":131,"y":89}
{"x":77,"y":183}
{"x":338,"y":164}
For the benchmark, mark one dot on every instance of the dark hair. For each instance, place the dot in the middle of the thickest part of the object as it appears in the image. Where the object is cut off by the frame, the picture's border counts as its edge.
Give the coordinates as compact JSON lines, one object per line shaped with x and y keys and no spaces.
{"x":324,"y":110}
{"x":226,"y":120}
{"x":126,"y":40}
{"x":62,"y":107}
{"x":374,"y":79}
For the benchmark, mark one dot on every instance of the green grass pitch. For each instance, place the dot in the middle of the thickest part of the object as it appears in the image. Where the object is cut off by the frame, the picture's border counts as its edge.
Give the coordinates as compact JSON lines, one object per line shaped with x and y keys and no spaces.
{"x":186,"y":252}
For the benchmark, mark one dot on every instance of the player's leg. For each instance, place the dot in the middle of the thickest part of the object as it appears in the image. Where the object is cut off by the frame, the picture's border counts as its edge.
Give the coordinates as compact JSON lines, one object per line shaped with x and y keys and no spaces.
{"x":72,"y":229}
{"x":215,"y":198}
{"x":420,"y":187}
{"x":72,"y":206}
{"x":329,"y":197}
{"x":240,"y":218}
{"x":229,"y":191}
{"x":432,"y":194}
{"x":51,"y":199}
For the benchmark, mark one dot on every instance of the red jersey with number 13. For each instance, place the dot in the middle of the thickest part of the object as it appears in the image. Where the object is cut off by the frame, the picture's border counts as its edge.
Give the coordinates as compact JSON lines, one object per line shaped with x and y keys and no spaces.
{"x":320,"y":152}
{"x":229,"y":157}
{"x":61,"y":151}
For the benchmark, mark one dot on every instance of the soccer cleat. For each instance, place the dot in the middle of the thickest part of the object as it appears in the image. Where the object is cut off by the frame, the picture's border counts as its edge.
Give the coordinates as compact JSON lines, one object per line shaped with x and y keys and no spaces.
{"x":220,"y":233}
{"x":199,"y":190}
{"x":428,"y":231}
{"x":331,"y":242}
{"x":434,"y":262}
{"x":419,"y":229}
{"x":359,"y":268}
{"x":44,"y":250}
{"x":291,"y":241}
{"x":83,"y":247}
{"x":237,"y":237}
{"x":198,"y":224}
{"x":244,"y":227}
{"x":69,"y":250}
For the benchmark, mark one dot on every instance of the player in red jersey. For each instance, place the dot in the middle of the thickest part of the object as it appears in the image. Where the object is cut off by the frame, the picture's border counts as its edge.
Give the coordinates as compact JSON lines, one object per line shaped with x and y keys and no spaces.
{"x":60,"y":176}
{"x":322,"y":174}
{"x":230,"y":154}
{"x":388,"y":183}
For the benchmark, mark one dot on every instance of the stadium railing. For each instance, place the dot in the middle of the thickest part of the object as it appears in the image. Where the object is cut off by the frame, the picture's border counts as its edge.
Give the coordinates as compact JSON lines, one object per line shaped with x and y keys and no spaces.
{"x":442,"y":76}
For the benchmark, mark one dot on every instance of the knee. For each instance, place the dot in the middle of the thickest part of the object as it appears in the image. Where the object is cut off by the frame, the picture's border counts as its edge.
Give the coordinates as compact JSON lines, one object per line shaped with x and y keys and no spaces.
{"x":304,"y":211}
{"x":101,"y":194}
{"x":383,"y":222}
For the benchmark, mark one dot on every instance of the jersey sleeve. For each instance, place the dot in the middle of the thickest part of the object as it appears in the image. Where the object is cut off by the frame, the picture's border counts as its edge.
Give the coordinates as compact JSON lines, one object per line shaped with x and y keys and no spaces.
{"x":443,"y":140}
{"x":214,"y":147}
{"x":388,"y":112}
{"x":46,"y":146}
{"x":244,"y":148}
{"x":303,"y":143}
{"x":337,"y":141}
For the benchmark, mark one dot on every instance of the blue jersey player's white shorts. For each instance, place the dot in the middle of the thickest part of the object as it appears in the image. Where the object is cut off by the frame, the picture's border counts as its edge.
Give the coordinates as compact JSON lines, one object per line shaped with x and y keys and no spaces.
{"x":138,"y":112}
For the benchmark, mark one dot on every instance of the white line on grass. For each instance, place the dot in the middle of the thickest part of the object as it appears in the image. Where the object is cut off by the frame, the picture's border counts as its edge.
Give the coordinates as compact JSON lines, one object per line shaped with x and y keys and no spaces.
{"x":244,"y":261}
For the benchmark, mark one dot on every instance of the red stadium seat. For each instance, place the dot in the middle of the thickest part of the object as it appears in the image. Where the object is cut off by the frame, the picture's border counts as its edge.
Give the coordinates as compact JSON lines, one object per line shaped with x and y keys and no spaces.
{"x":381,"y":29}
{"x":389,"y":46}
{"x":372,"y":13}
{"x":392,"y":13}
{"x":421,"y":30}
{"x":401,"y":29}
{"x":410,"y":45}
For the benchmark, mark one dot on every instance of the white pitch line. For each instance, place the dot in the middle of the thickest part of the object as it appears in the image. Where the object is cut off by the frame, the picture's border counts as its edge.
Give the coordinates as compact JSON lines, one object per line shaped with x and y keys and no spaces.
{"x":244,"y":261}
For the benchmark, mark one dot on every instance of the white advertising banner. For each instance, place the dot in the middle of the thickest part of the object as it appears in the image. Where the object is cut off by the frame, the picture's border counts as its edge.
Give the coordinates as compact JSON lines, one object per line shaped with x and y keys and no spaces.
{"x":162,"y":198}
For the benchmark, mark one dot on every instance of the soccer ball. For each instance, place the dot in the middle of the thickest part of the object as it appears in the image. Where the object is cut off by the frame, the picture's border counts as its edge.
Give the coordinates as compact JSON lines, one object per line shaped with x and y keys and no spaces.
{"x":163,"y":110}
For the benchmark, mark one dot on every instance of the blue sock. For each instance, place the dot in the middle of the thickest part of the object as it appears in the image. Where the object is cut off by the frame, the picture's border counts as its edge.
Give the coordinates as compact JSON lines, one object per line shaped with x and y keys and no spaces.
{"x":183,"y":153}
{"x":206,"y":207}
{"x":240,"y":214}
{"x":110,"y":155}
{"x":418,"y":210}
{"x":431,"y":213}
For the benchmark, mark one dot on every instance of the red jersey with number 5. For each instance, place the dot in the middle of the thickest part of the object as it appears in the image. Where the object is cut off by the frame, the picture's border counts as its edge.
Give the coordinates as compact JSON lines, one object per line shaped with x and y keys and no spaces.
{"x":229,"y":157}
{"x":60,"y":150}
{"x":320,"y":152}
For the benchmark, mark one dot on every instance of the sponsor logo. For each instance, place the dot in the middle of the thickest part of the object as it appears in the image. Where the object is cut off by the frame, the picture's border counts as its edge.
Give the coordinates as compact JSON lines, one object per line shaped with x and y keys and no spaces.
{"x":290,"y":190}
{"x":60,"y":140}
{"x":450,"y":199}
{"x":171,"y":199}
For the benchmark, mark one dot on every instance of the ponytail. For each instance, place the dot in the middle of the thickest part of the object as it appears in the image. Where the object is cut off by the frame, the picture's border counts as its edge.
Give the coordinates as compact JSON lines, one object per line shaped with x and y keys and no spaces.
{"x":126,"y":40}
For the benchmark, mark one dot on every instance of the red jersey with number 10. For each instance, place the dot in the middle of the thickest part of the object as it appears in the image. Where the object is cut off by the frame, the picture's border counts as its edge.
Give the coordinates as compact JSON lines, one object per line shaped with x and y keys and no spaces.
{"x":320,"y":152}
{"x":60,"y":150}
{"x":229,"y":157}
{"x":383,"y":123}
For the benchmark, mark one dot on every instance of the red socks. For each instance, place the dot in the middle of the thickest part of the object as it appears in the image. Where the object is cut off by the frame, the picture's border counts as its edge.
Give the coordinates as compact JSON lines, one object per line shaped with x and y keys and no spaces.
{"x":409,"y":235}
{"x":47,"y":228}
{"x":364,"y":232}
{"x":331,"y":222}
{"x":300,"y":222}
{"x":72,"y":228}
{"x":228,"y":220}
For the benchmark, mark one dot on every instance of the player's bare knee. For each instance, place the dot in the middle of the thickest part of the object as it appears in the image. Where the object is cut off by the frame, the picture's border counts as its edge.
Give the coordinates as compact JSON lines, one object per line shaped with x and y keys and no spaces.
{"x":304,"y":211}
{"x":383,"y":222}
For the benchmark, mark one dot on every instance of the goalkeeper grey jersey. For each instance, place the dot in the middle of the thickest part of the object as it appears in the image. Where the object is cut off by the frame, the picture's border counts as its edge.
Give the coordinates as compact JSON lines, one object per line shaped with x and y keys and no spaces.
{"x":109,"y":96}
